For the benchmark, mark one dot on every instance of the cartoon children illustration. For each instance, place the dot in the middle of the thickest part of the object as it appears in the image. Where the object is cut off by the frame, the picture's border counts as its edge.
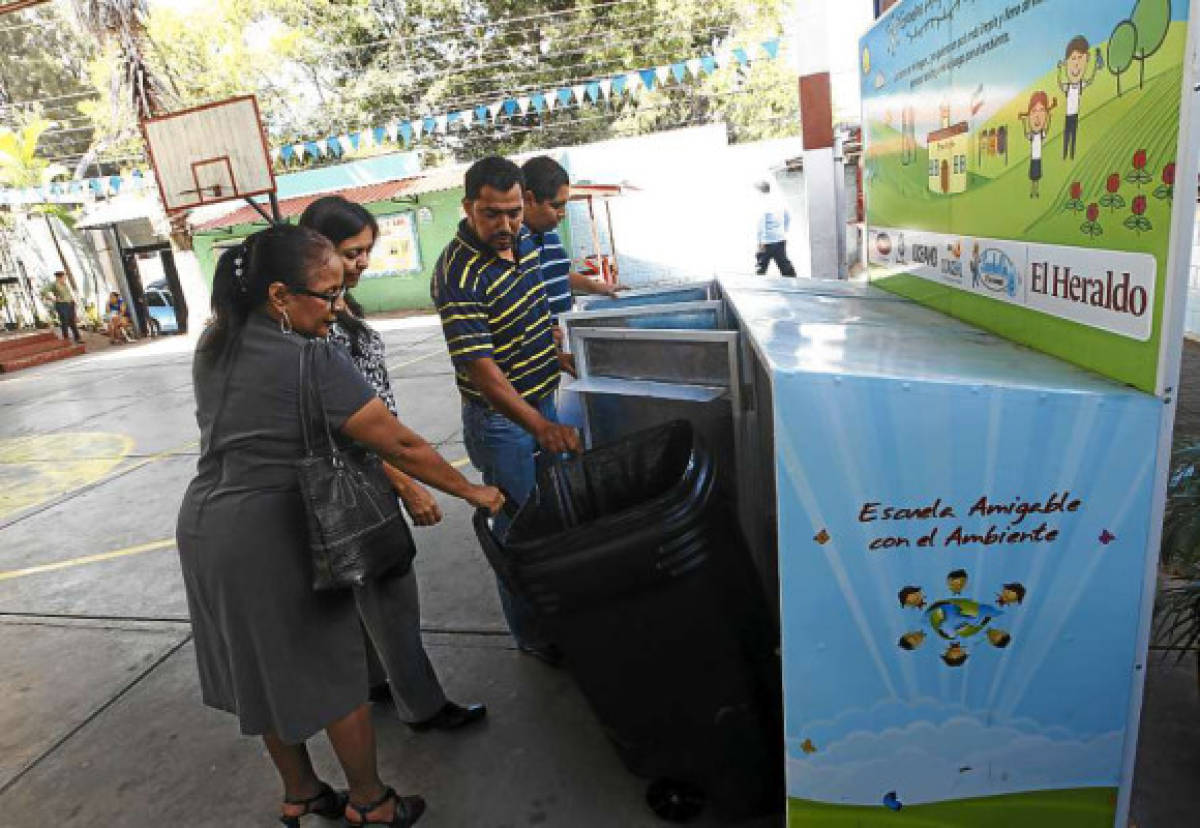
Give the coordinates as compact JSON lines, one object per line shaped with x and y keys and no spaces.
{"x":911,"y":640}
{"x":1073,"y":78}
{"x":957,"y":580}
{"x":1036,"y":122}
{"x":999,"y":638}
{"x":912,"y":596}
{"x":1011,"y":594}
{"x":955,"y":655}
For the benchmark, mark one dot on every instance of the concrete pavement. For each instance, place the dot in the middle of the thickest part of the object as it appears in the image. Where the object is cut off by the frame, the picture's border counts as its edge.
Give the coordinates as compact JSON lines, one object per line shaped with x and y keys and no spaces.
{"x":102,"y":724}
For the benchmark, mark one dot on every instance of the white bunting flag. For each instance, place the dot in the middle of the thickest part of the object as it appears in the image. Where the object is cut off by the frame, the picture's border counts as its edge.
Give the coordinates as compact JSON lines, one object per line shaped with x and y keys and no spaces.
{"x":579,"y":91}
{"x":393,"y":130}
{"x":551,"y":100}
{"x":694,"y":66}
{"x":663,"y":73}
{"x":300,"y":151}
{"x":468,"y":118}
{"x":633,"y":84}
{"x":523,"y":104}
{"x":344,"y":140}
{"x":442,"y":121}
{"x":724,"y":57}
{"x":494,"y":109}
{"x":606,"y":87}
{"x":418,"y":127}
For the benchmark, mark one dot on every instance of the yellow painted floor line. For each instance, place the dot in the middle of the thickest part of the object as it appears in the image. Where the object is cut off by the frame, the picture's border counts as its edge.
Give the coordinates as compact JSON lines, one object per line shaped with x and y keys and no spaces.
{"x":87,"y":559}
{"x":400,"y":365}
{"x":120,"y":553}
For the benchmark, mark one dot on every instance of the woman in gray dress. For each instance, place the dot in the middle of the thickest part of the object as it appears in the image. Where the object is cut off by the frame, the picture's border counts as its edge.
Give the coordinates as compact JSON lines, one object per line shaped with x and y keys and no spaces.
{"x":286,"y":660}
{"x":390,"y":608}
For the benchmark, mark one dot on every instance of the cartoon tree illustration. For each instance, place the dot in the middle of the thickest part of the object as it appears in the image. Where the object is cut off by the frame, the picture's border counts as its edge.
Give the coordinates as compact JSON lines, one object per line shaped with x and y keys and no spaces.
{"x":1121,"y":48}
{"x":1152,"y":19}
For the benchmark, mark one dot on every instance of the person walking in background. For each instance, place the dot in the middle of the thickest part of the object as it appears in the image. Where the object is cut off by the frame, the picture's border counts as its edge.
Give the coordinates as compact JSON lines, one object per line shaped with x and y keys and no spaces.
{"x":286,"y":660}
{"x":390,"y":608}
{"x":773,"y":223}
{"x":488,"y":290}
{"x":64,"y":305}
{"x":547,"y":191}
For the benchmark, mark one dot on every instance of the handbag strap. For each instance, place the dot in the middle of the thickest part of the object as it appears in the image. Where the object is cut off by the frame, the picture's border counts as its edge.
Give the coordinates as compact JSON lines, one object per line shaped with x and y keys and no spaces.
{"x":310,"y":388}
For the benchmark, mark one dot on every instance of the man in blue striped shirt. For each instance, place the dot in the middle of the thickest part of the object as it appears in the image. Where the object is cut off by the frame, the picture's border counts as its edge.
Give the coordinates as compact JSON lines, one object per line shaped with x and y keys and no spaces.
{"x":547,"y":190}
{"x":488,"y":290}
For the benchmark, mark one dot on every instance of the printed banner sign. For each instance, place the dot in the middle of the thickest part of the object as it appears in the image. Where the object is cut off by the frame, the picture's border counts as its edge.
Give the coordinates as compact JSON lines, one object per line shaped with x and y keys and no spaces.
{"x":396,"y":250}
{"x":1105,"y":289}
{"x":1039,"y":122}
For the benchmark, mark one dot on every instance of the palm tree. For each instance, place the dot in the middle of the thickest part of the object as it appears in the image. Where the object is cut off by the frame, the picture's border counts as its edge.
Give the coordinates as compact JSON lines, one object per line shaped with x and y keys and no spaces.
{"x":21,"y":167}
{"x":123,"y":23}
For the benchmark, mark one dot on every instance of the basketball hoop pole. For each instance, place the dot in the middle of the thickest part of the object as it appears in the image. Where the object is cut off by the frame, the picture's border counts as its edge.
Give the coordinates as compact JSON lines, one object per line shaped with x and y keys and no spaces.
{"x":278,"y":218}
{"x":258,"y":209}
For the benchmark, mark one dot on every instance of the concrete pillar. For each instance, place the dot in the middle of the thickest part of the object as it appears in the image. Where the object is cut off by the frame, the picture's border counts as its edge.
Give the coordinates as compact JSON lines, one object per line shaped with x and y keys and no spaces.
{"x":816,"y":118}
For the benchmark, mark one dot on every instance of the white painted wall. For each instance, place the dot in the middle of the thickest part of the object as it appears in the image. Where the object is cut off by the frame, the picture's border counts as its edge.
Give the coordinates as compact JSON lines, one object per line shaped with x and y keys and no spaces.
{"x":695,"y":211}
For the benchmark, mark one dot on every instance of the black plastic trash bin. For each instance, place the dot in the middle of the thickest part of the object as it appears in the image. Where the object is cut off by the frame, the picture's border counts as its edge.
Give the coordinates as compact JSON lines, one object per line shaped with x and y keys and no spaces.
{"x":638,"y":572}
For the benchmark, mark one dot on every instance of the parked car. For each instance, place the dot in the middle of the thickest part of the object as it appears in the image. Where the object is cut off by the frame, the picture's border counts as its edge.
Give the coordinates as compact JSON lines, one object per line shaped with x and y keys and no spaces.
{"x":161,"y":306}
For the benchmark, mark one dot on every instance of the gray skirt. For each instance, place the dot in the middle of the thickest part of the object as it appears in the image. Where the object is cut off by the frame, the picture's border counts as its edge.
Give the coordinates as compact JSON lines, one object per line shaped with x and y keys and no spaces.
{"x":282,"y":658}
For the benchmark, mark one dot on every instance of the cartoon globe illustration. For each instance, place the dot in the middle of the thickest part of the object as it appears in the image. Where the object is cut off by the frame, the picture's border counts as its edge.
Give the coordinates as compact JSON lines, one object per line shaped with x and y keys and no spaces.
{"x":957,"y":620}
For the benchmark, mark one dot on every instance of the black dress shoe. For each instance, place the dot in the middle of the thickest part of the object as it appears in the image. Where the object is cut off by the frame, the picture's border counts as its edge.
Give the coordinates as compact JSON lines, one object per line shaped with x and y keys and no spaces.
{"x":380,"y":693}
{"x":451,"y":717}
{"x":547,"y":654}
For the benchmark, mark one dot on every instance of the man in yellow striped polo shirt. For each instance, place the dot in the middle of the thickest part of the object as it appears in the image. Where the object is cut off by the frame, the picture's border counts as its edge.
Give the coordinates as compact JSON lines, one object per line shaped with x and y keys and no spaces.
{"x":496,"y":319}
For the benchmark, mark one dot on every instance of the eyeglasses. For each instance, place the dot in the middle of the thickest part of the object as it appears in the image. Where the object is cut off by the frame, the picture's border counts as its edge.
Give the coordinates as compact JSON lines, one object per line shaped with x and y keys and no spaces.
{"x":331,"y":298}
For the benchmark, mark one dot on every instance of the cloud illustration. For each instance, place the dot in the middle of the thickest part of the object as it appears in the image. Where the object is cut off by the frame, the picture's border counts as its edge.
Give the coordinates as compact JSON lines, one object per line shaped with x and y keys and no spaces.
{"x":957,"y":758}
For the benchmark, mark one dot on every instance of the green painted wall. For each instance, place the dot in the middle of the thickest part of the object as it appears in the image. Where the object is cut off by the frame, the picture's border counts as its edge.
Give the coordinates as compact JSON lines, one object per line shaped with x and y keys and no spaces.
{"x":392,"y":293}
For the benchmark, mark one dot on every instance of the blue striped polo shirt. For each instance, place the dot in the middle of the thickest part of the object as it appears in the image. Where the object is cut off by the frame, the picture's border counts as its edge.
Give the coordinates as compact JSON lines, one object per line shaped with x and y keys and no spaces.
{"x":556,"y":271}
{"x":493,"y":308}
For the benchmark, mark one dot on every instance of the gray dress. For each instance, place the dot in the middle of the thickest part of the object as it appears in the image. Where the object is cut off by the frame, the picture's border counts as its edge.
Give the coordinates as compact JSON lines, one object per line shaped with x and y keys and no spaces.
{"x":283,"y":658}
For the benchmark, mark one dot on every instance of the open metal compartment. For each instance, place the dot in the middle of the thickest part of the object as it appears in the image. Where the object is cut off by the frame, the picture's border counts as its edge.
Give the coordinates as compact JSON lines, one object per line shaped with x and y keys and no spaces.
{"x":630,"y":379}
{"x":699,"y":315}
{"x":684,"y":292}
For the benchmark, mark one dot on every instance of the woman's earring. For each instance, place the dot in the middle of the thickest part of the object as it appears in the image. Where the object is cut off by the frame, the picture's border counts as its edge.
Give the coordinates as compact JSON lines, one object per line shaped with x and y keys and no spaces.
{"x":285,"y":322}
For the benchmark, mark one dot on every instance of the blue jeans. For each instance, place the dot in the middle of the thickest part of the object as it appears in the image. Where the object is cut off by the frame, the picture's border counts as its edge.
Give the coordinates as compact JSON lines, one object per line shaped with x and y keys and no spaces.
{"x":504,"y":453}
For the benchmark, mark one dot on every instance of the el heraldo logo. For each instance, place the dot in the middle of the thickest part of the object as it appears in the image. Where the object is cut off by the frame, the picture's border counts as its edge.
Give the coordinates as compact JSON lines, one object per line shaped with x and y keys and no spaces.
{"x":1108,"y":289}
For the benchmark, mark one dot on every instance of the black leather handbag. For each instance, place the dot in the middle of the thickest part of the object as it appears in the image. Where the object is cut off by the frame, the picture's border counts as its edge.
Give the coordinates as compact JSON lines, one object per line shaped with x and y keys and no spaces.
{"x":356,"y":531}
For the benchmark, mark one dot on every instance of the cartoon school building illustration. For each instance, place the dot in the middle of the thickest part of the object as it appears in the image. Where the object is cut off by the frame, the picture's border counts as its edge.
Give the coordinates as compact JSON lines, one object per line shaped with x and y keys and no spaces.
{"x":948,"y":148}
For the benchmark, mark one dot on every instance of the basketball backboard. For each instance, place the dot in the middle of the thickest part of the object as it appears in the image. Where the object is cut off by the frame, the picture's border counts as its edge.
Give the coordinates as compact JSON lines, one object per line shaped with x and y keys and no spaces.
{"x":210,"y":153}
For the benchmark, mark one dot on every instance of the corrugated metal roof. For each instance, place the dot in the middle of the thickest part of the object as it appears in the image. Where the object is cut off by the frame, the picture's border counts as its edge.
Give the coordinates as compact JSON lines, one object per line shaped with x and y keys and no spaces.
{"x":431,"y":182}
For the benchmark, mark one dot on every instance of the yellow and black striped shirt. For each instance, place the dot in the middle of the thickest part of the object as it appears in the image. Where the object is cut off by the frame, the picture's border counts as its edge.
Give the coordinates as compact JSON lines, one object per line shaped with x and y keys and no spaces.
{"x":494,"y":308}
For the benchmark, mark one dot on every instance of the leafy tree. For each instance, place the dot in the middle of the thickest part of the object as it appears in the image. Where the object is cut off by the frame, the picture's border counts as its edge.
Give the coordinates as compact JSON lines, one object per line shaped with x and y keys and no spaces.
{"x":45,"y":65}
{"x":21,"y":166}
{"x":1152,"y":19}
{"x":322,"y":68}
{"x":1122,"y":46}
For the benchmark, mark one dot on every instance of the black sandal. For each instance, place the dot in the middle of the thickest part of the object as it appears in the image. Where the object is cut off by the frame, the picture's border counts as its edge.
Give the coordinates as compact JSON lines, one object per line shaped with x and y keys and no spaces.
{"x":408,"y":810}
{"x":328,"y":803}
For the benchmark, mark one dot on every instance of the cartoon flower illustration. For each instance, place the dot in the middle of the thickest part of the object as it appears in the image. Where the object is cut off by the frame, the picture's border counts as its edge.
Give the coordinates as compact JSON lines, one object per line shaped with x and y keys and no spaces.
{"x":1138,"y":220}
{"x":1167,"y":189}
{"x":1092,"y":227}
{"x":1139,"y":175}
{"x":1112,"y":199}
{"x":1076,"y":193}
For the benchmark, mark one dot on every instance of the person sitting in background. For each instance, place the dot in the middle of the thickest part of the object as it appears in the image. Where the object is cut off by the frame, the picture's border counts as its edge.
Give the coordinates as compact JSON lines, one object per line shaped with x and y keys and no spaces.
{"x":116,"y":314}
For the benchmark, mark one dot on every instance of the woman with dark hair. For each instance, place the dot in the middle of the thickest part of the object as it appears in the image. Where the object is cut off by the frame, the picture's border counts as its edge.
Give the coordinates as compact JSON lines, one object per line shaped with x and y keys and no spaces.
{"x":286,"y":660}
{"x":392,"y":616}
